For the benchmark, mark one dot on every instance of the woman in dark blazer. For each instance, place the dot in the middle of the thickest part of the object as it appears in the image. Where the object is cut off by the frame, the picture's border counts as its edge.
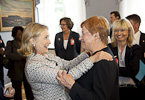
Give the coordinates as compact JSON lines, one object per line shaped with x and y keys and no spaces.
{"x":67,"y":43}
{"x":127,"y":56}
{"x":16,"y":72}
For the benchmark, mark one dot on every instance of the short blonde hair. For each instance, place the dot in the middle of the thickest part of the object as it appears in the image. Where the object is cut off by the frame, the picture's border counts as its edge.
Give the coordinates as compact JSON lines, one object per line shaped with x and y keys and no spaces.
{"x":125,"y":25}
{"x":98,"y":24}
{"x":32,"y":30}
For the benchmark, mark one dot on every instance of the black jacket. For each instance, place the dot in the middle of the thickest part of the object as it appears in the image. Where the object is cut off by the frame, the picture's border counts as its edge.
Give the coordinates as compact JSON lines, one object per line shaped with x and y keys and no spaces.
{"x":16,"y":72}
{"x":132,"y":57}
{"x":142,"y":44}
{"x":99,"y":83}
{"x":72,"y":50}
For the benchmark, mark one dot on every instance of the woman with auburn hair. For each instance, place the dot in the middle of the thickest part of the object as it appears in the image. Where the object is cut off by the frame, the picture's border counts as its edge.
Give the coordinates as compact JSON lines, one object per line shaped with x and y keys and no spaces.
{"x":101,"y":81}
{"x":127,"y":56}
{"x":42,"y":67}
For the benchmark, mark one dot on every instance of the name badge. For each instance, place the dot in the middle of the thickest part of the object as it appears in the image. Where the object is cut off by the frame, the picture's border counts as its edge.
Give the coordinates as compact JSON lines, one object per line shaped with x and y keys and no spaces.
{"x":116,"y":60}
{"x":72,"y":42}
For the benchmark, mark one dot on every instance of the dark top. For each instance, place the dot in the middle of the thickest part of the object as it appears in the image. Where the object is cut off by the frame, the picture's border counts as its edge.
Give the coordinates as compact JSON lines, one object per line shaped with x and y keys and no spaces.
{"x":2,"y":45}
{"x":99,"y":83}
{"x":142,"y":44}
{"x":72,"y":50}
{"x":16,"y":72}
{"x":110,"y":33}
{"x":132,"y":56}
{"x":1,"y":91}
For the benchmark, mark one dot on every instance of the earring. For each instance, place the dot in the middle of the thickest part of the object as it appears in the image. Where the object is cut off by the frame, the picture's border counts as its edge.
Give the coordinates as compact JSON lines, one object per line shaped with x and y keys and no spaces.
{"x":33,"y":45}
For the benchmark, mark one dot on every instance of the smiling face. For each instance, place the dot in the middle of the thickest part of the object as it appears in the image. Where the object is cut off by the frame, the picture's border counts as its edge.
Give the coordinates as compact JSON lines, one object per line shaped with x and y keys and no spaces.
{"x":121,"y":34}
{"x":42,"y":42}
{"x":64,"y":26}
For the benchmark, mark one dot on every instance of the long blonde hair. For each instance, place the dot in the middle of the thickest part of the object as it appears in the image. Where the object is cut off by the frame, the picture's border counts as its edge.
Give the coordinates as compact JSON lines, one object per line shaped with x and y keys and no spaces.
{"x":126,"y":25}
{"x":32,"y":30}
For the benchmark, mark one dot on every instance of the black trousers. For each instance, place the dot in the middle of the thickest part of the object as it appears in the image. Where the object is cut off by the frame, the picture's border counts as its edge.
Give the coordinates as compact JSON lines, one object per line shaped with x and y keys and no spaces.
{"x":130,"y":93}
{"x":17,"y":85}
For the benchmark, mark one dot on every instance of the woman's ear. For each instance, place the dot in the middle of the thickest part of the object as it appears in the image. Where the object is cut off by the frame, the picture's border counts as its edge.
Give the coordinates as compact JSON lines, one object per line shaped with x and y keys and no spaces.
{"x":96,"y":35}
{"x":32,"y":41}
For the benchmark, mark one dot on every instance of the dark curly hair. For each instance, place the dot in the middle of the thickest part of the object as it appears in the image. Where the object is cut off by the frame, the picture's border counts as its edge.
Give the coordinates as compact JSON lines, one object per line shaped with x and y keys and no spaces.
{"x":15,"y":29}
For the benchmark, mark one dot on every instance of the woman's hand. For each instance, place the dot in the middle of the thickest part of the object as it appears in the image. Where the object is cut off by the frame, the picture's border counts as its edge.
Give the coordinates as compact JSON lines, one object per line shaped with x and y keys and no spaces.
{"x":65,"y":79}
{"x":9,"y":92}
{"x":102,"y":55}
{"x":1,"y":51}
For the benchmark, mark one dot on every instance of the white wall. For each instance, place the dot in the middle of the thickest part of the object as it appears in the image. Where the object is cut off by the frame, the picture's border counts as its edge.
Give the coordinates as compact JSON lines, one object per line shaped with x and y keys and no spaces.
{"x":101,"y":7}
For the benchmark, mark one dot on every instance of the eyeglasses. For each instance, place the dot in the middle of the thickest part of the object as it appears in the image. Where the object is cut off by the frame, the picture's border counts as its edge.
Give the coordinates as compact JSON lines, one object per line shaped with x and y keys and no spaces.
{"x":62,"y":24}
{"x":121,"y":30}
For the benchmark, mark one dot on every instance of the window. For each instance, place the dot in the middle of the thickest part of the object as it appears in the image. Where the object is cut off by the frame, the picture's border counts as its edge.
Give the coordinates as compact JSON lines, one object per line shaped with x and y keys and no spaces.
{"x":51,"y":11}
{"x":128,"y":7}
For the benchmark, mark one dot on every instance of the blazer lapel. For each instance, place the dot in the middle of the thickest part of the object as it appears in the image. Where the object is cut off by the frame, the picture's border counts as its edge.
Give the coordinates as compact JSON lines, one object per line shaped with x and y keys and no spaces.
{"x":70,"y":36}
{"x":142,"y":40}
{"x":127,"y":55}
{"x":62,"y":41}
{"x":115,"y":50}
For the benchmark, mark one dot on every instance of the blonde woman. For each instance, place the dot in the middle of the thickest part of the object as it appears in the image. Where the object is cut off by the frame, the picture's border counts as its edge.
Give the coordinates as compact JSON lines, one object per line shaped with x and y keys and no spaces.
{"x":127,"y":56}
{"x":42,"y":66}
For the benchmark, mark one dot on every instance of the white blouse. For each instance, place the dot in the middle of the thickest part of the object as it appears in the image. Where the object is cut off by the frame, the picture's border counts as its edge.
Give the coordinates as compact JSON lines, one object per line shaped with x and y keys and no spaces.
{"x":65,"y":43}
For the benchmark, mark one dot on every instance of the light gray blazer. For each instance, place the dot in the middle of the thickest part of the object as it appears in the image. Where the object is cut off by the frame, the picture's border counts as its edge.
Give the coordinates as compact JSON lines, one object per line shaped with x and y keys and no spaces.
{"x":41,"y":72}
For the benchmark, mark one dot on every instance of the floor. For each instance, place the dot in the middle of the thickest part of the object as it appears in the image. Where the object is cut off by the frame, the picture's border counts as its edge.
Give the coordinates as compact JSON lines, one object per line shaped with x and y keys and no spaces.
{"x":23,"y":93}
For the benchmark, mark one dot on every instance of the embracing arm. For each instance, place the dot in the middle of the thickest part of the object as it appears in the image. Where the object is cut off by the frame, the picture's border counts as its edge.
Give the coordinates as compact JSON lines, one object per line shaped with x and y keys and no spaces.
{"x":74,"y":62}
{"x":78,"y":70}
{"x":37,"y":72}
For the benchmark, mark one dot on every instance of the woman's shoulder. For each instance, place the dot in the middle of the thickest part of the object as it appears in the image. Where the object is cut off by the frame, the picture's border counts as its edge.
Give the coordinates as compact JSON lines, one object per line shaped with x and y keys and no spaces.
{"x":74,"y":32}
{"x":59,"y":33}
{"x":110,"y":46}
{"x":136,"y":49}
{"x":35,"y":58}
{"x":135,"y":46}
